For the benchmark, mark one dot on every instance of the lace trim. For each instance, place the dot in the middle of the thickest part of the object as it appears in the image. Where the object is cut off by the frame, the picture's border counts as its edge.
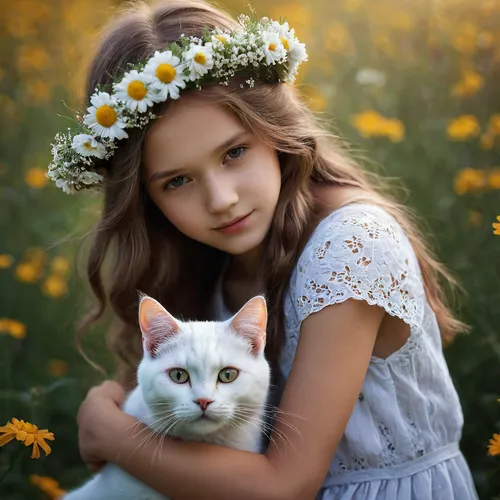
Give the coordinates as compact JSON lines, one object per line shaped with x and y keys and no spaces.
{"x":362,"y":256}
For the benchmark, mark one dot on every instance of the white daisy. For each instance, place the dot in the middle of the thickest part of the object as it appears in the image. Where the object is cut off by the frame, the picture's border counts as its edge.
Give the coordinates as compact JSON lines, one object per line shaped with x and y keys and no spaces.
{"x":296,"y":52}
{"x":167,"y":75}
{"x":220,"y":40}
{"x":273,"y":47}
{"x":134,"y":90}
{"x":103,"y":117}
{"x":87,"y":145}
{"x":199,"y":60}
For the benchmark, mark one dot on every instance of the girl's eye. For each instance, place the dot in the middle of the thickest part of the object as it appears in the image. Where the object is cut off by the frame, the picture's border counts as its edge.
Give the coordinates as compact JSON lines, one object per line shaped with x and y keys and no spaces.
{"x":228,"y":375}
{"x":176,"y":182}
{"x":178,"y":375}
{"x":236,"y":153}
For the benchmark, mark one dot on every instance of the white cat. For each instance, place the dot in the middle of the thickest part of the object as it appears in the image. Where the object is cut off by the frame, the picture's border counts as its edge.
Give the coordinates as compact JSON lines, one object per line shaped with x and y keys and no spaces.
{"x":199,"y":381}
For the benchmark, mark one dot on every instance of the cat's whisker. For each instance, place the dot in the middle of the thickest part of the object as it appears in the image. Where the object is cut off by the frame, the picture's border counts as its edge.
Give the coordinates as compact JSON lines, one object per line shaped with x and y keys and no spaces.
{"x":280,"y":420}
{"x":264,"y":430}
{"x":272,"y":408}
{"x":273,"y":429}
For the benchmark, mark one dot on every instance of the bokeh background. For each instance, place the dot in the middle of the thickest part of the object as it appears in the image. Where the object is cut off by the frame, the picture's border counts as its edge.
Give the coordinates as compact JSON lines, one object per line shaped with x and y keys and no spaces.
{"x":415,"y":88}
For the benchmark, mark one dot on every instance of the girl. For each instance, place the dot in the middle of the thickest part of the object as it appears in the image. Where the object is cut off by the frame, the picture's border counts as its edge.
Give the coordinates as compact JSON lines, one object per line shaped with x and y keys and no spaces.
{"x":234,"y":190}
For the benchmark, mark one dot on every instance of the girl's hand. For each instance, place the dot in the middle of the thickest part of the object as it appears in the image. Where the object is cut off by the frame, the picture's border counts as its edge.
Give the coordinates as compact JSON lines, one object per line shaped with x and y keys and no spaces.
{"x":95,"y":419}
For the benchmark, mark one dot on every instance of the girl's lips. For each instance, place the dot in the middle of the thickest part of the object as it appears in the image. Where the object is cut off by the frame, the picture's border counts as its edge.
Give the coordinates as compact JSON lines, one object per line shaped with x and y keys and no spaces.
{"x":235,"y":225}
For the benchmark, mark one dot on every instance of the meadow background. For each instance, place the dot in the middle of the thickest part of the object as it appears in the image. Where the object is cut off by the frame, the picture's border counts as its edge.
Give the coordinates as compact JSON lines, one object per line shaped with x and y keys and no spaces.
{"x":414,"y":86}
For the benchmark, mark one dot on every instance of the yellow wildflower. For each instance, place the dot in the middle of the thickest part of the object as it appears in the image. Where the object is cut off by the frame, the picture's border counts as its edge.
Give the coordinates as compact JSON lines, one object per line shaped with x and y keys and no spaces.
{"x":370,"y":123}
{"x":13,"y":328}
{"x":60,"y":265}
{"x":494,"y":178}
{"x":28,"y":272}
{"x":57,"y":367}
{"x":5,"y":261}
{"x":54,"y":286}
{"x":27,"y":433}
{"x":469,"y":180}
{"x":470,"y":83}
{"x":17,"y":329}
{"x":35,"y":177}
{"x":462,"y":128}
{"x":494,"y":446}
{"x":48,"y":485}
{"x":394,"y":129}
{"x":496,"y":227}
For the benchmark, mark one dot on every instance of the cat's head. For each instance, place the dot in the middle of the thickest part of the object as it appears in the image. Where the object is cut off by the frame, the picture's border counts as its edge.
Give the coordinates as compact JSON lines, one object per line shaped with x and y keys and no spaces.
{"x":198,"y":377}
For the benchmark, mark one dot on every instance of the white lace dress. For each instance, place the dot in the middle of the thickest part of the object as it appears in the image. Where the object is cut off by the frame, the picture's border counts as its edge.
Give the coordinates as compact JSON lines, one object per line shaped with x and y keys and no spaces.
{"x":402,"y":439}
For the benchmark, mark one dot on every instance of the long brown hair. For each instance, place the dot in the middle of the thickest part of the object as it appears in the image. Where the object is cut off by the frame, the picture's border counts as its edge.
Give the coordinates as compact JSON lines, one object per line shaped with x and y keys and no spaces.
{"x":140,"y":250}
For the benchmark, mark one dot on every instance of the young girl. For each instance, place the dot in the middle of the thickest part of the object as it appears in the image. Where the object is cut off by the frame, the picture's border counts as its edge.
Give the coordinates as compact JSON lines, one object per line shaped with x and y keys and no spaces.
{"x":232,"y":190}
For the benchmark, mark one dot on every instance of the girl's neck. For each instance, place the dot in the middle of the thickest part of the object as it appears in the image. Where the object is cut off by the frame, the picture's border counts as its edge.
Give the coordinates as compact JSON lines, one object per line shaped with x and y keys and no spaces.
{"x":245,"y":267}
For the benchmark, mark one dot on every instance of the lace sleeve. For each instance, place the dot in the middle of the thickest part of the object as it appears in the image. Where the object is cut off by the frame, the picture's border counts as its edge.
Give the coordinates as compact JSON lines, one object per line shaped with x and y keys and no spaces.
{"x":360,"y":252}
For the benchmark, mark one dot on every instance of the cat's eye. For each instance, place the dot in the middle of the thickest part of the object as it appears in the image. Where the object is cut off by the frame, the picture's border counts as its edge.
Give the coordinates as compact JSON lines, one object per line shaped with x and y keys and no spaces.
{"x":178,"y":375}
{"x":228,"y":375}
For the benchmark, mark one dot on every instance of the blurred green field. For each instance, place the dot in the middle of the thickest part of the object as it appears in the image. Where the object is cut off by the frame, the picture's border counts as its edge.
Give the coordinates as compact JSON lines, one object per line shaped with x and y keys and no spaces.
{"x":414,"y":86}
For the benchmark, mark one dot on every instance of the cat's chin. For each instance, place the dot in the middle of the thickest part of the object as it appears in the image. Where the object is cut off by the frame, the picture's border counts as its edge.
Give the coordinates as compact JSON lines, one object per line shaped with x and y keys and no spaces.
{"x":203,"y":425}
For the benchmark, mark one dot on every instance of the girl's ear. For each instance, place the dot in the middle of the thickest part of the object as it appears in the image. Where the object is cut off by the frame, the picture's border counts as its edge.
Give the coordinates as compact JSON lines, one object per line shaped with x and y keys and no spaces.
{"x":250,"y":322}
{"x":157,"y":325}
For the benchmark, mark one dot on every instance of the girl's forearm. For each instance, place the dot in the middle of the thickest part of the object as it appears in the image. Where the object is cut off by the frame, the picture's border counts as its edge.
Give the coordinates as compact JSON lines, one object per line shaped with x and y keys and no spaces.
{"x":188,"y":470}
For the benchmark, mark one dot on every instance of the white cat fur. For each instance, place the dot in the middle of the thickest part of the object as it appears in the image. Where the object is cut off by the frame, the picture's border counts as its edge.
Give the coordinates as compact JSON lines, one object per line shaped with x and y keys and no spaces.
{"x":202,"y":349}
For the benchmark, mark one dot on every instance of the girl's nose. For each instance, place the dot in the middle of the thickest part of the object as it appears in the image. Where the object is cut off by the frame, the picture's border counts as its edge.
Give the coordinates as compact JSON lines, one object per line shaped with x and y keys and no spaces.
{"x":221,"y":196}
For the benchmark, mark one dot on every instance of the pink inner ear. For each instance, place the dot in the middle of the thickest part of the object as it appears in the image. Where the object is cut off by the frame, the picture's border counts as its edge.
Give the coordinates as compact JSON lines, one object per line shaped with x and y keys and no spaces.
{"x":157,"y":325}
{"x":250,"y":322}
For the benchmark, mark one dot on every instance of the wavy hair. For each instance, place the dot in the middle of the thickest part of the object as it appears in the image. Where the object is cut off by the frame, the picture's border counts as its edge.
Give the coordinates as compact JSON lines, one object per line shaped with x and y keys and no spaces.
{"x":136,"y":248}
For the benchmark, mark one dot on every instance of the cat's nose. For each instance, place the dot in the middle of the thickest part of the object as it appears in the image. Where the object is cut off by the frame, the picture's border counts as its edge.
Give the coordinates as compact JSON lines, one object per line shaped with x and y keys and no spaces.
{"x":204,"y":403}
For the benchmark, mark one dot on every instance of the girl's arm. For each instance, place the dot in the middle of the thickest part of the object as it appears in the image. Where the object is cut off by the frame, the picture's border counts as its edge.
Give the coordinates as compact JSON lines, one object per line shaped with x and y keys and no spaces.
{"x":331,"y":361}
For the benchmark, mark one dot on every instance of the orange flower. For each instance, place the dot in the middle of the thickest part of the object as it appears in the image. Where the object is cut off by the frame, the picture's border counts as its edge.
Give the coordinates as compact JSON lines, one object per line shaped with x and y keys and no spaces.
{"x":35,"y":177}
{"x":496,"y":227}
{"x":48,"y":485}
{"x":494,"y":446}
{"x":5,"y":261}
{"x":462,"y":128}
{"x":27,"y":433}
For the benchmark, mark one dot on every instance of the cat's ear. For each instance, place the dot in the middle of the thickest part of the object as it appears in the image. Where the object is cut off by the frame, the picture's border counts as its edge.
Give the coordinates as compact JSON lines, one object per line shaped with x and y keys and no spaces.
{"x":157,"y":324}
{"x":250,"y":322}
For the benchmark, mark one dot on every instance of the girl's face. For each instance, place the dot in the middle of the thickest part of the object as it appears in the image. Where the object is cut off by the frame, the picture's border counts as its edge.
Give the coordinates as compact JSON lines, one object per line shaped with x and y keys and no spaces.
{"x":213,"y":180}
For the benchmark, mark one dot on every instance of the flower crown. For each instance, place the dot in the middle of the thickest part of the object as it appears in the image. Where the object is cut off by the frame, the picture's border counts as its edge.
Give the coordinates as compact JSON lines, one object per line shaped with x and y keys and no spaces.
{"x":259,"y":49}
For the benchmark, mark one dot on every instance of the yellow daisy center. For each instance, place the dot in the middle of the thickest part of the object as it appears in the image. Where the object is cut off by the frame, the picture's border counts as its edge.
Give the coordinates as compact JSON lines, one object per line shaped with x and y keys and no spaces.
{"x":285,"y":43}
{"x":221,"y":39}
{"x":200,"y":58}
{"x":165,"y":73}
{"x":105,"y":115}
{"x":272,"y":47}
{"x":137,"y":90}
{"x":87,"y":145}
